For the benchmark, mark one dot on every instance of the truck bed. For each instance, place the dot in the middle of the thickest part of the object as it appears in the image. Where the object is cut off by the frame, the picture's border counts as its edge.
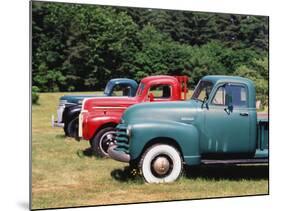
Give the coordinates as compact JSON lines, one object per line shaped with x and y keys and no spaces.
{"x":262,"y":116}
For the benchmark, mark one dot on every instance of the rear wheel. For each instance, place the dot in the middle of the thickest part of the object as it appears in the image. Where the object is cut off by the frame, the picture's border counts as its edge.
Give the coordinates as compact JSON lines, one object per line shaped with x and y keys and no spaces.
{"x":102,"y":140}
{"x":161,"y":163}
{"x":72,"y":128}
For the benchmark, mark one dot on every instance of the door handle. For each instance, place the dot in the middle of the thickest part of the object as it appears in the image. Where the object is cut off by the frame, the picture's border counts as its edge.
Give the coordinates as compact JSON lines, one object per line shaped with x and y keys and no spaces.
{"x":244,"y":114}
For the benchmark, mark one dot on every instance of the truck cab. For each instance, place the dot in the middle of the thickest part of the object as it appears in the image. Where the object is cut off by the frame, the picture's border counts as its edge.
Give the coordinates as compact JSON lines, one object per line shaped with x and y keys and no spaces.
{"x":99,"y":116}
{"x":70,"y":105}
{"x":219,"y":124}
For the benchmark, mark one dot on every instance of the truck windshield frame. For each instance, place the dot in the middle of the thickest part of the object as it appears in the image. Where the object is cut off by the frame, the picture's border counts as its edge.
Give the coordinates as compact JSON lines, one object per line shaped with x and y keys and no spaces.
{"x":140,"y":89}
{"x":203,"y":86}
{"x":108,"y":88}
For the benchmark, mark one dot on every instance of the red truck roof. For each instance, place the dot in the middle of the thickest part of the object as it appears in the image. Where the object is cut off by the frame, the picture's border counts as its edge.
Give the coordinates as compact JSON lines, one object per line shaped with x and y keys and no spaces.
{"x":158,"y":78}
{"x":182,"y":80}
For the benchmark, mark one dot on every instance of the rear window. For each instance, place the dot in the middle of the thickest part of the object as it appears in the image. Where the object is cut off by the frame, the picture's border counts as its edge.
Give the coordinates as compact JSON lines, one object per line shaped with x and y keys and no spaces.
{"x":121,"y":90}
{"x":160,"y":91}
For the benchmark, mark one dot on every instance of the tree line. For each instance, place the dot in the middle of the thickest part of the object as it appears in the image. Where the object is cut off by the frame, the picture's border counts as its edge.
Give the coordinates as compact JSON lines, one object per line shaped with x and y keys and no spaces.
{"x":78,"y":47}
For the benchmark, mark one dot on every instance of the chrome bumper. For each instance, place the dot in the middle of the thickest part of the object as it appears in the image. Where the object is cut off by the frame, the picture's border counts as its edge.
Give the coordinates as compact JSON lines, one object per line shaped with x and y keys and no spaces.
{"x":80,"y":121}
{"x":56,"y":123}
{"x":118,"y":155}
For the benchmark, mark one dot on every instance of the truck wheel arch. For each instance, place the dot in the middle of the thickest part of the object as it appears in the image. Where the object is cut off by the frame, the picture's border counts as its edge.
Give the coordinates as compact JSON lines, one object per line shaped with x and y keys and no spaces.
{"x":185,"y":138}
{"x":161,"y":140}
{"x":70,"y":113}
{"x":108,"y":124}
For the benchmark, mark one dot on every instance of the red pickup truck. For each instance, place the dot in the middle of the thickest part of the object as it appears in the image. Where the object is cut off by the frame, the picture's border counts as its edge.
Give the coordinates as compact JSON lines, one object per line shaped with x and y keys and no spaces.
{"x":100,"y":116}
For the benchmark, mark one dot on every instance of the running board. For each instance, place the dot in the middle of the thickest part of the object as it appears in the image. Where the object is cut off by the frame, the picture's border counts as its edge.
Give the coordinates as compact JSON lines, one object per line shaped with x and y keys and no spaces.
{"x":236,"y":161}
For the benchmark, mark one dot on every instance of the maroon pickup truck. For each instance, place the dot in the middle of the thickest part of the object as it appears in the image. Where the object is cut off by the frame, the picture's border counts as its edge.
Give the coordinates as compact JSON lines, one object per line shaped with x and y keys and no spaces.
{"x":99,"y":116}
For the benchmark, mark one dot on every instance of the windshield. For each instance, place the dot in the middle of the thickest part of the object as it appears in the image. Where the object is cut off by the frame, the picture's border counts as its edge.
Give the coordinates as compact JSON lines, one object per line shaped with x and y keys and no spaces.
{"x":140,"y":89}
{"x":202,"y":90}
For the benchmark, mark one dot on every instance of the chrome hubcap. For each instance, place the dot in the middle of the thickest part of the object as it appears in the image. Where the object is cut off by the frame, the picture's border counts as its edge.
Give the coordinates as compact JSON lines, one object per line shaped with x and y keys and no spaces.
{"x":161,"y":165}
{"x":107,"y":140}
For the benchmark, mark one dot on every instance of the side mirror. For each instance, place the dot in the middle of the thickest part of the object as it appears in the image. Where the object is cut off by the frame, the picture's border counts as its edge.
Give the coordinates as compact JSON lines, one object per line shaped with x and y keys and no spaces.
{"x":151,"y":97}
{"x":230,"y":108}
{"x":228,"y":100}
{"x":205,"y":102}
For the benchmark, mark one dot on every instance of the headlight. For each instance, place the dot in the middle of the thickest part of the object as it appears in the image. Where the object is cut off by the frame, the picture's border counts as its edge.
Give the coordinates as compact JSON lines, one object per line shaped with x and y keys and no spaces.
{"x":129,"y":131}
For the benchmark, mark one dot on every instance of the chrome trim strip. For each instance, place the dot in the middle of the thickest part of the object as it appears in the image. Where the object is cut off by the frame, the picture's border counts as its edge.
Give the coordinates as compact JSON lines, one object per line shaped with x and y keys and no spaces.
{"x":104,"y":107}
{"x":80,"y":121}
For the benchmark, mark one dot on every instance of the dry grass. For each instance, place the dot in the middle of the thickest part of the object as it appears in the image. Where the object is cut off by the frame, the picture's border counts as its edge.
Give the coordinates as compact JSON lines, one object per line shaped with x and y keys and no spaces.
{"x":62,"y":175}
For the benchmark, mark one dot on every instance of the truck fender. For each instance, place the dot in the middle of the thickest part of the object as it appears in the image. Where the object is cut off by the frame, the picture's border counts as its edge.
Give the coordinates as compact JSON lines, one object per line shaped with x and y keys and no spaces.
{"x":96,"y":123}
{"x":71,"y":112}
{"x":183,"y":136}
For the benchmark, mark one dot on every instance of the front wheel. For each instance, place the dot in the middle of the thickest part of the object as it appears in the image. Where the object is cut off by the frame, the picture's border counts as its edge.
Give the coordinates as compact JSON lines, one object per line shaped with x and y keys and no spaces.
{"x":161,"y":163}
{"x":72,"y":127}
{"x":102,"y":140}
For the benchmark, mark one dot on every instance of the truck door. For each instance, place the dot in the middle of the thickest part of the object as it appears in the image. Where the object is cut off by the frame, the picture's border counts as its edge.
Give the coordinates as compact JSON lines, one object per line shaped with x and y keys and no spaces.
{"x":227,"y":121}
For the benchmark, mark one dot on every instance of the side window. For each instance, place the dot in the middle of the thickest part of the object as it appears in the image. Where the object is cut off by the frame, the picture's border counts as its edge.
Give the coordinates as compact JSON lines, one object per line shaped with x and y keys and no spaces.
{"x":160,"y":91}
{"x":238,"y":95}
{"x":235,"y":95}
{"x":121,"y":90}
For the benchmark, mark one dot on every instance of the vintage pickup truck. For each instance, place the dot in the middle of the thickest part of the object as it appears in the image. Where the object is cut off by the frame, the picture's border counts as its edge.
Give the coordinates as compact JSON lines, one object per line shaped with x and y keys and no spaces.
{"x":70,"y":105}
{"x":99,"y":116}
{"x":219,"y":124}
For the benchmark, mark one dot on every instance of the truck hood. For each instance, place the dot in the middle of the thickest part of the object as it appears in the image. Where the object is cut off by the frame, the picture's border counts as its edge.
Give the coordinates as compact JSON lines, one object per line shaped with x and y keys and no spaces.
{"x":77,"y":99}
{"x":185,"y":112}
{"x":110,"y":102}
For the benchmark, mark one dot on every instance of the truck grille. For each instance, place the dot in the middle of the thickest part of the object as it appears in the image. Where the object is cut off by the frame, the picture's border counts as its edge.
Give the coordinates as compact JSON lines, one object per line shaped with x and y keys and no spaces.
{"x":122,"y":140}
{"x":60,"y":110}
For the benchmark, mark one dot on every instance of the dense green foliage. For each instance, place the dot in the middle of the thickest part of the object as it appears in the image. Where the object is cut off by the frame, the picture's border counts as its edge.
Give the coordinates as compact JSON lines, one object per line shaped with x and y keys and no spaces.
{"x":80,"y":47}
{"x":259,"y":74}
{"x":35,"y":94}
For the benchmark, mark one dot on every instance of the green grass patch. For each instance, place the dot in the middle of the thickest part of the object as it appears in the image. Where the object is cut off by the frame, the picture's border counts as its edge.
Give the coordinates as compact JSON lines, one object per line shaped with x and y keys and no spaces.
{"x":64,"y":175}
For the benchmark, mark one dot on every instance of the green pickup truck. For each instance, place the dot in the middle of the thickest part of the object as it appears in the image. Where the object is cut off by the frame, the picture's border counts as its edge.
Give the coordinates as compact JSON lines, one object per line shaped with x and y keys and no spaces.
{"x":219,"y":124}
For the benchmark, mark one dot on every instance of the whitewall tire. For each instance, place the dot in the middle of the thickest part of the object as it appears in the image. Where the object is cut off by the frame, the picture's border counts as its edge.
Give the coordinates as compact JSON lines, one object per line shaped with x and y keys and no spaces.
{"x":161,"y":163}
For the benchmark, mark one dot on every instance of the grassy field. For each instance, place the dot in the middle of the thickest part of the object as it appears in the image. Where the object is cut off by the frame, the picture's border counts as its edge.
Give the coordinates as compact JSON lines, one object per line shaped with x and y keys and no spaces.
{"x":64,"y":174}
